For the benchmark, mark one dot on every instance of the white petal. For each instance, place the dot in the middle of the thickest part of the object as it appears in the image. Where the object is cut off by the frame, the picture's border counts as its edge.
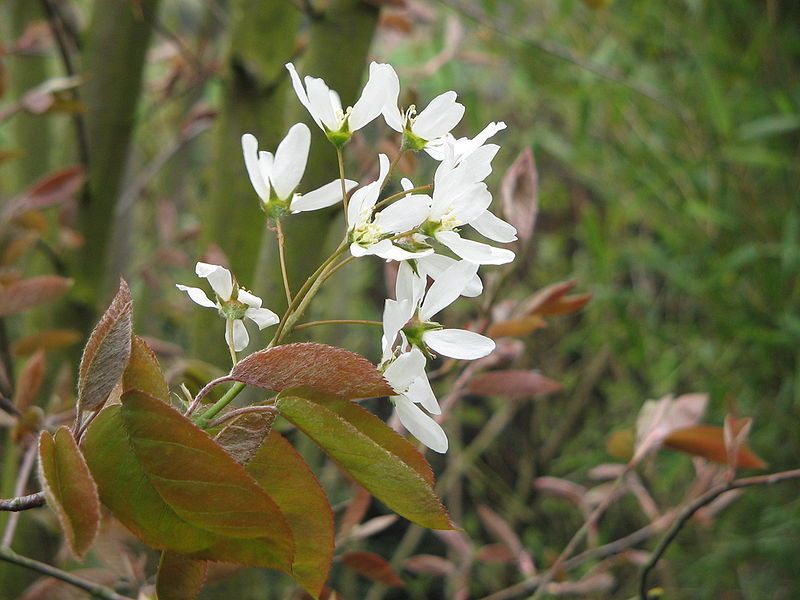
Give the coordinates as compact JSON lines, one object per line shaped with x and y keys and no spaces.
{"x":420,"y":425}
{"x":265,"y":163}
{"x":290,"y":160}
{"x":384,"y":163}
{"x":240,"y":336}
{"x":479,"y":163}
{"x":319,"y":98}
{"x":404,"y":215}
{"x":404,"y":369}
{"x":323,"y":197}
{"x":447,"y":288}
{"x":409,"y":286}
{"x":250,"y":151}
{"x":464,"y":147}
{"x":395,"y":315}
{"x":373,"y":97}
{"x":388,"y":251}
{"x":197,"y":295}
{"x":458,"y":343}
{"x":439,"y":117}
{"x":436,"y":264}
{"x":251,"y":300}
{"x":391,"y":113}
{"x":263,"y":317}
{"x":301,"y":91}
{"x":477,"y":252}
{"x":472,"y":203}
{"x":420,"y":392}
{"x":494,"y":228}
{"x":358,"y":250}
{"x":406,"y":184}
{"x":219,"y":278}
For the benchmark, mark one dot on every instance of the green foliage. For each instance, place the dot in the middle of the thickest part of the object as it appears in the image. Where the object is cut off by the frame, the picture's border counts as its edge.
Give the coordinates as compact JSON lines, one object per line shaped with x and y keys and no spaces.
{"x":377,"y":457}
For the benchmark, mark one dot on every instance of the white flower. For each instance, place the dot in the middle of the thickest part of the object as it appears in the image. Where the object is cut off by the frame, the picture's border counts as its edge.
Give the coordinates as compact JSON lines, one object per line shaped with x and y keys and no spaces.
{"x":456,"y":150}
{"x":413,"y":302}
{"x":406,"y":375}
{"x":276,"y":177}
{"x":325,"y":106}
{"x":427,"y":127}
{"x":369,"y":234}
{"x":461,"y":198}
{"x":232,"y":302}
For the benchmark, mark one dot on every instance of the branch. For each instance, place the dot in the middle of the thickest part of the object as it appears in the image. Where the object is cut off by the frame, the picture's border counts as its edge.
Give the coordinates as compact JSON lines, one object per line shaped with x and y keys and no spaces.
{"x":96,"y":590}
{"x":696,"y":505}
{"x":22,"y":502}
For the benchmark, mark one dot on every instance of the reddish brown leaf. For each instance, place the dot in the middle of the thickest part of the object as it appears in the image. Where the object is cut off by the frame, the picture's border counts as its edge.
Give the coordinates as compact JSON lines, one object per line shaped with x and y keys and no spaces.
{"x":52,"y":339}
{"x":561,"y":488}
{"x":69,"y":489}
{"x":55,"y":188}
{"x":319,"y":367}
{"x":708,"y":441}
{"x":429,"y":564}
{"x":516,"y":327}
{"x":30,"y":382}
{"x":25,"y":294}
{"x":504,"y":533}
{"x":553,"y":300}
{"x":179,"y":577}
{"x":280,"y":470}
{"x":242,"y":436}
{"x":373,"y":567}
{"x":50,"y":588}
{"x":514,"y":384}
{"x":106,"y":353}
{"x":519,"y":191}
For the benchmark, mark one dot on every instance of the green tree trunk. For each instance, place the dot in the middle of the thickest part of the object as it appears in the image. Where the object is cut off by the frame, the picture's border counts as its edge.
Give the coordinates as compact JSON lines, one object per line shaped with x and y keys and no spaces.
{"x":262,"y":37}
{"x":118,"y":38}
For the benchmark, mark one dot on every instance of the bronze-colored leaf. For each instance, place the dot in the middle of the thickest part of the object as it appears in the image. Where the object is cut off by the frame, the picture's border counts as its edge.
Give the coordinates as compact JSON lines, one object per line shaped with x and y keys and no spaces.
{"x":519,"y":191}
{"x":51,"y":339}
{"x":518,"y":327}
{"x":143,"y":372}
{"x":55,"y":188}
{"x":106,"y":353}
{"x":179,"y":577}
{"x":373,"y":454}
{"x":514,"y":384}
{"x":553,"y":300}
{"x":25,"y":294}
{"x":242,"y":436}
{"x":69,"y":489}
{"x":373,"y":567}
{"x":30,"y":382}
{"x":319,"y":367}
{"x":708,"y":441}
{"x":281,"y":471}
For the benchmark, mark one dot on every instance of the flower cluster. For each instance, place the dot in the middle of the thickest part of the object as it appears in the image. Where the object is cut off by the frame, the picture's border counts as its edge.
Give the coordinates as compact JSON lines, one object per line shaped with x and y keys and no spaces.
{"x":412,"y":226}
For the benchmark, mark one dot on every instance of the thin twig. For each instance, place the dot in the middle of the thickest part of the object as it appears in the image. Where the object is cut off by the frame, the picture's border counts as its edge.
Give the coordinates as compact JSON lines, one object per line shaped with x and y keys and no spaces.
{"x":696,"y":505}
{"x":59,"y":29}
{"x":310,"y":324}
{"x":21,"y":503}
{"x":282,"y":258}
{"x":95,"y":589}
{"x":19,"y":489}
{"x":204,"y":392}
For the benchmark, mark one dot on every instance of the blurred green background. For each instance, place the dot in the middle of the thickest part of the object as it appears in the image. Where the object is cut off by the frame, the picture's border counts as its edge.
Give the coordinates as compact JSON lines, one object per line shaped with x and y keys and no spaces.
{"x":667,"y":142}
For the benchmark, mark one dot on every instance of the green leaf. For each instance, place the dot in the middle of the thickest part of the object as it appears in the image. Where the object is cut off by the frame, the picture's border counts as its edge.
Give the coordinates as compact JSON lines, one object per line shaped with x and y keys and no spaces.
{"x":282,"y":472}
{"x":106,"y":353}
{"x":179,"y":577}
{"x":323,"y":368}
{"x":143,"y":372}
{"x":178,"y":490}
{"x":376,"y":456}
{"x":69,"y":489}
